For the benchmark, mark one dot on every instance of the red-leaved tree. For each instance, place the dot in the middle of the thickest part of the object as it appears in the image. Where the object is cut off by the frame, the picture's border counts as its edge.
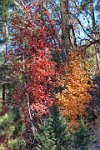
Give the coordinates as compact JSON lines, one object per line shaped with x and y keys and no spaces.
{"x":32,"y":46}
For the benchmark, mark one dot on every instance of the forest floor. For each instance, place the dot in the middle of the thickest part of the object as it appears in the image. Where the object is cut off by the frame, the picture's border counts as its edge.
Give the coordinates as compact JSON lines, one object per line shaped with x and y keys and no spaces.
{"x":95,"y":106}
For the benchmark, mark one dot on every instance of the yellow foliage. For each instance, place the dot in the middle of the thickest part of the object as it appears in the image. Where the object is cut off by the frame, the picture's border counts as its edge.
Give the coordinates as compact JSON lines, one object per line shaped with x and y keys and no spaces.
{"x":75,"y":97}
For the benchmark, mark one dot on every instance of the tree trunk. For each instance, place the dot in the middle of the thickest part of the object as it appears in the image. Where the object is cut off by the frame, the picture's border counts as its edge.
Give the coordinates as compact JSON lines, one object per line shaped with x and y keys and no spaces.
{"x":31,"y":121}
{"x":64,"y":10}
{"x":5,"y":58}
{"x":3,"y":92}
{"x":97,"y":49}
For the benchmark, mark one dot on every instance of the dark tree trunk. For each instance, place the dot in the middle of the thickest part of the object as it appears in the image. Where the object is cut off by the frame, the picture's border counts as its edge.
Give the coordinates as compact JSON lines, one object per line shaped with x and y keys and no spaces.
{"x":3,"y":92}
{"x":64,"y":10}
{"x":97,"y":49}
{"x":5,"y":58}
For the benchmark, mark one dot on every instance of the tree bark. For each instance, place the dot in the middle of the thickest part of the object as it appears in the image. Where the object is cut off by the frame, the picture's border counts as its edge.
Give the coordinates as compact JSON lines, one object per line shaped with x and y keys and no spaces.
{"x":5,"y":58}
{"x":97,"y":49}
{"x":64,"y":10}
{"x":3,"y":92}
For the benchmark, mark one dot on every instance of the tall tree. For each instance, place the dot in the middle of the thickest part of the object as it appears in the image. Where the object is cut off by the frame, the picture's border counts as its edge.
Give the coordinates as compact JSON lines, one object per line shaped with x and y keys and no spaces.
{"x":64,"y":9}
{"x":4,"y":10}
{"x":95,"y":35}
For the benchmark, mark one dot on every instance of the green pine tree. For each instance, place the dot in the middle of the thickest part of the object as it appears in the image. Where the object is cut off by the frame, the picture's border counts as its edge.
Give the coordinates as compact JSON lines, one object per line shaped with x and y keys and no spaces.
{"x":83,"y":136}
{"x":54,"y":134}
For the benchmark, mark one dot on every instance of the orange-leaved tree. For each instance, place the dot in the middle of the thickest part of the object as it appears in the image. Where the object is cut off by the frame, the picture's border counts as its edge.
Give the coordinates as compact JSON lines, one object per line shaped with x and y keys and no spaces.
{"x":75,"y":97}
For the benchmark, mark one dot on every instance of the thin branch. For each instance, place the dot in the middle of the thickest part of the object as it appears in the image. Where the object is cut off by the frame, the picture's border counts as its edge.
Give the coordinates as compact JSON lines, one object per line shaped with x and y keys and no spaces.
{"x":82,"y":26}
{"x":91,"y":43}
{"x":18,"y":5}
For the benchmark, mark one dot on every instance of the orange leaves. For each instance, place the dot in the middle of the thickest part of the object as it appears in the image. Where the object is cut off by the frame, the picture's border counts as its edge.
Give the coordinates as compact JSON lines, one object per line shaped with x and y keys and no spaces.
{"x":74,"y":99}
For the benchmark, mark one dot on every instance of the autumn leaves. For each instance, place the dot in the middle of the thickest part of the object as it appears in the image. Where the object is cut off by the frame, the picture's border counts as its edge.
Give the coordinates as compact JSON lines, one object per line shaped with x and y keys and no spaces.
{"x":75,"y":97}
{"x":41,"y":74}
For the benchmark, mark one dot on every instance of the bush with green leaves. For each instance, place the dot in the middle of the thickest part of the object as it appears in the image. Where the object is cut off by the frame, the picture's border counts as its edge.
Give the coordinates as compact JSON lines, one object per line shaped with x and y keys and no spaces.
{"x":53,"y":134}
{"x":83,"y":137}
{"x":10,"y":134}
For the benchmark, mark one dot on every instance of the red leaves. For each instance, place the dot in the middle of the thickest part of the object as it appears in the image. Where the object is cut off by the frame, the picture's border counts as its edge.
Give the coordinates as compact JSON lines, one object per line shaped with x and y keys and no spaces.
{"x":41,"y":71}
{"x":3,"y":107}
{"x":3,"y":139}
{"x":32,"y":42}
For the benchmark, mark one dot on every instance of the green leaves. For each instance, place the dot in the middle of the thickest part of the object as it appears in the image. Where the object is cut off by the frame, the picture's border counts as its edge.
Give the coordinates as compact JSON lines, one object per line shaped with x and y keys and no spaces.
{"x":83,"y":137}
{"x":53,"y":134}
{"x":10,"y":130}
{"x":17,"y":144}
